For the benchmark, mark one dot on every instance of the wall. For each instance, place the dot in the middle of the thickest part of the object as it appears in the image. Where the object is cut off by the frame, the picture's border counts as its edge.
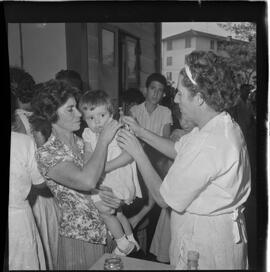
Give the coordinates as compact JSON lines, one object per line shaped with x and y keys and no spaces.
{"x":97,"y":72}
{"x":146,"y":32}
{"x":44,"y":48}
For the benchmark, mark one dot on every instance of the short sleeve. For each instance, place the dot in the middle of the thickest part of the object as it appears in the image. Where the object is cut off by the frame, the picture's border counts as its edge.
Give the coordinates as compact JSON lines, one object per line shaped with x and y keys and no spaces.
{"x":47,"y":158}
{"x":187,"y":177}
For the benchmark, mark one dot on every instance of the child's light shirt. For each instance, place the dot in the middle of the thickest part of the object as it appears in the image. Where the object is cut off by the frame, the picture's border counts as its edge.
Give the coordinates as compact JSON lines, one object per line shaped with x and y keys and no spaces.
{"x":155,"y":121}
{"x":124,"y":180}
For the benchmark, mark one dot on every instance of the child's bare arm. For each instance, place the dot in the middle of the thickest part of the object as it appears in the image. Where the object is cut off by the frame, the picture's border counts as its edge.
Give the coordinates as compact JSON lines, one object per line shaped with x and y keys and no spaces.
{"x":123,"y":159}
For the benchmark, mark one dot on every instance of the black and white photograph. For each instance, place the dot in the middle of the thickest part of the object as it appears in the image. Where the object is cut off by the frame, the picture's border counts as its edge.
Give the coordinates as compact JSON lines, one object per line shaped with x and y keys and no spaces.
{"x":137,"y":136}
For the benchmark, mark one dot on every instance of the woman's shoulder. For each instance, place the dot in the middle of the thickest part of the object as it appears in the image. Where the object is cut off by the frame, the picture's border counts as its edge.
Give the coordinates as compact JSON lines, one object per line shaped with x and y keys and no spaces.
{"x":52,"y":150}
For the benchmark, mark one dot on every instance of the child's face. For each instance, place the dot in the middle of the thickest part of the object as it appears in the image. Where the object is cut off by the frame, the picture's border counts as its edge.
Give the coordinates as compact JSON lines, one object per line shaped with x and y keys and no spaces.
{"x":154,"y":92}
{"x":96,"y":118}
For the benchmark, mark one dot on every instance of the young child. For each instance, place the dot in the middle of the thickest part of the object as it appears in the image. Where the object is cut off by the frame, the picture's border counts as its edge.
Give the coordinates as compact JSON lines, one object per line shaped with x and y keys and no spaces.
{"x":121,"y":177}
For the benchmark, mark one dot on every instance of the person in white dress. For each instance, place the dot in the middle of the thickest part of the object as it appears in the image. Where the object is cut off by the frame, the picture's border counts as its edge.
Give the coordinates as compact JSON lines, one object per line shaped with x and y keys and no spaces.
{"x":42,"y":203}
{"x":162,"y":237}
{"x":209,"y":181}
{"x":25,"y":247}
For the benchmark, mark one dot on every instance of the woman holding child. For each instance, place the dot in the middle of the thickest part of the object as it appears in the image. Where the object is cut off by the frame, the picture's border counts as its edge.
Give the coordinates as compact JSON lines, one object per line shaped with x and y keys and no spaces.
{"x":82,"y":231}
{"x":209,"y":180}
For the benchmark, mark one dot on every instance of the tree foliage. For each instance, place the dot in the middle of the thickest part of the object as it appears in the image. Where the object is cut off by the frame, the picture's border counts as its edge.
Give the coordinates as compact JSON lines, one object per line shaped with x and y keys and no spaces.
{"x":242,"y":53}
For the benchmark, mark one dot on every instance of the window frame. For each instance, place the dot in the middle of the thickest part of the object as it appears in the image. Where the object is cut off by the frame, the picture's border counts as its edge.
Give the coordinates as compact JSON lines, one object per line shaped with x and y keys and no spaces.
{"x":212,"y":44}
{"x":101,"y":57}
{"x":169,"y":63}
{"x":169,"y":48}
{"x":188,"y":42}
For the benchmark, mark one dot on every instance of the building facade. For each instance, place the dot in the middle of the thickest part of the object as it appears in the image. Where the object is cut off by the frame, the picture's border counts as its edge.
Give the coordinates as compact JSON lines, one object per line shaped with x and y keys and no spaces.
{"x":176,"y":47}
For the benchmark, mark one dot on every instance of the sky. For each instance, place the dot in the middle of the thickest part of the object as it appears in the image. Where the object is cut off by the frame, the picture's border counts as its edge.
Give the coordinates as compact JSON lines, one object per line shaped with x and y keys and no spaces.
{"x":169,"y":29}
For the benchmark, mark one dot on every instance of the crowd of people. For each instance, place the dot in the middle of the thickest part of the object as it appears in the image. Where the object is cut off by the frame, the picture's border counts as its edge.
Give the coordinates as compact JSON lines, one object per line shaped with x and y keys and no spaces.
{"x":85,"y":180}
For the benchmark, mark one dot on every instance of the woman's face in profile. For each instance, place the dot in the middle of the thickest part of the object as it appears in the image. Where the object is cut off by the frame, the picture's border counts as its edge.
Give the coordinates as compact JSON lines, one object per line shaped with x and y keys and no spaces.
{"x":185,"y":100}
{"x":69,"y":118}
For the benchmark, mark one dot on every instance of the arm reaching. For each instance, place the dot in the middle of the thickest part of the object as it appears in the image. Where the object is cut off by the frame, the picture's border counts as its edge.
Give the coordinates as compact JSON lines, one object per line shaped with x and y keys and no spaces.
{"x":130,"y":143}
{"x":120,"y":161}
{"x":68,"y":174}
{"x":165,"y":146}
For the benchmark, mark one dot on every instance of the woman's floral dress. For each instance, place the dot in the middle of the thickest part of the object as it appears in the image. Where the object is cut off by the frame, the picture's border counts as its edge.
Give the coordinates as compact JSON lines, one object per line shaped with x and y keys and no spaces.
{"x":79,"y":217}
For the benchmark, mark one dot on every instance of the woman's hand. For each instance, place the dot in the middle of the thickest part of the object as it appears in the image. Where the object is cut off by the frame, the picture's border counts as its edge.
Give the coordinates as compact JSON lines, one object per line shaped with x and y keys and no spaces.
{"x":127,"y":141}
{"x":109,"y":131}
{"x":108,"y":197}
{"x":133,"y":124}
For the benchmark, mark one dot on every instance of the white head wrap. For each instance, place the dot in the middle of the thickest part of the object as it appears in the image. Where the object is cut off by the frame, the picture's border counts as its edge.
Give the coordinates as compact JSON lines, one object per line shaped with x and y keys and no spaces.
{"x":189,"y":75}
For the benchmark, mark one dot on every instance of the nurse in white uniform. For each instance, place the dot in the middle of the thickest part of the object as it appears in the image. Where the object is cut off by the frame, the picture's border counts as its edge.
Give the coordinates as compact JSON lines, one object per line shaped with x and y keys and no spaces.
{"x":209,"y":181}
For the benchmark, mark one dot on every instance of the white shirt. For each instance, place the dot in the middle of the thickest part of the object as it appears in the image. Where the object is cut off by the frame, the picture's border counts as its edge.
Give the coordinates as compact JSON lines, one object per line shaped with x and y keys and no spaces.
{"x":155,"y":121}
{"x":206,"y":185}
{"x":123,"y":180}
{"x":211,"y":172}
{"x":23,"y":169}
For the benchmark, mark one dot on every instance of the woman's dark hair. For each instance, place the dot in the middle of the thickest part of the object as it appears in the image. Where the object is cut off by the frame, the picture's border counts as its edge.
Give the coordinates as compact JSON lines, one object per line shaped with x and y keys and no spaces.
{"x":49,"y":97}
{"x":132,"y":95}
{"x":245,"y":91}
{"x":156,"y":77}
{"x":72,"y":77}
{"x":214,"y":79}
{"x":22,"y":84}
{"x":92,"y":99}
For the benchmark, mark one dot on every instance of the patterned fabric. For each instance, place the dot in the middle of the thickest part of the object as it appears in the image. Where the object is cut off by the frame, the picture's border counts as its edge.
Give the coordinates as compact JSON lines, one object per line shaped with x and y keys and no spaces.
{"x":79,"y":217}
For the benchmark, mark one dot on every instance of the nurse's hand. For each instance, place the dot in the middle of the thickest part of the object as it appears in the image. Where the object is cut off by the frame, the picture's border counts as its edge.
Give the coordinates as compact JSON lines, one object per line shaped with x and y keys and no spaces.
{"x":108,"y":198}
{"x":128,"y":141}
{"x":133,"y":125}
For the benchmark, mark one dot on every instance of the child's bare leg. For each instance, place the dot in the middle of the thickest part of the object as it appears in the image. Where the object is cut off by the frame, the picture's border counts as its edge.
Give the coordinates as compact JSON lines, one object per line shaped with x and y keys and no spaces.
{"x":115,"y":228}
{"x":124,"y":222}
{"x":127,"y":227}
